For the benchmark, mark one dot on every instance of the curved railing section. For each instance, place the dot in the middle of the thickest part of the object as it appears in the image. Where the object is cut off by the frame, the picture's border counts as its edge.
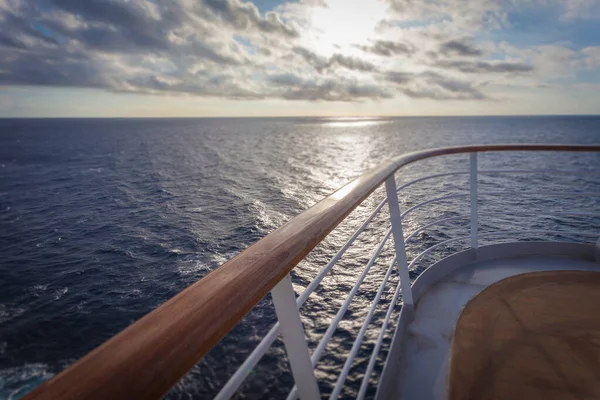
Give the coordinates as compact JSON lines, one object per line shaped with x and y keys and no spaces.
{"x":151,"y":355}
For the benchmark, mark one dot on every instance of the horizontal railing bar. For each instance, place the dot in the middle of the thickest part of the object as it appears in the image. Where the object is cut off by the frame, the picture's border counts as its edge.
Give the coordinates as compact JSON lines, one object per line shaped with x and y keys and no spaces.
{"x":151,"y":355}
{"x":545,"y":215}
{"x":537,"y":193}
{"x":557,"y":214}
{"x":242,"y":372}
{"x":573,"y":172}
{"x":434,"y":200}
{"x":423,"y":178}
{"x":528,"y":232}
{"x":435,"y":246}
{"x":365,"y":382}
{"x":497,"y":193}
{"x":316,"y":356}
{"x":358,"y":341}
{"x":542,"y":232}
{"x":576,"y":172}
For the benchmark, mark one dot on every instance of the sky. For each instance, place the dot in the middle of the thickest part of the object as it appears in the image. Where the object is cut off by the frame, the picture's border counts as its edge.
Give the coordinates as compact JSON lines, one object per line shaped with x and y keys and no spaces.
{"x":218,"y":58}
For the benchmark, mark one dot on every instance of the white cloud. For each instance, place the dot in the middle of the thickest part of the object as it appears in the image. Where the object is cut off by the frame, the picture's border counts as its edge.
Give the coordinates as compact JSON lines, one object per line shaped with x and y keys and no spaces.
{"x":558,"y":60}
{"x":580,"y":9}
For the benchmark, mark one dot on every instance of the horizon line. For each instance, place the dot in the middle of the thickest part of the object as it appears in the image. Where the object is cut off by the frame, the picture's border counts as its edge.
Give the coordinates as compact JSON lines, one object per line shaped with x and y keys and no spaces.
{"x":306,"y":116}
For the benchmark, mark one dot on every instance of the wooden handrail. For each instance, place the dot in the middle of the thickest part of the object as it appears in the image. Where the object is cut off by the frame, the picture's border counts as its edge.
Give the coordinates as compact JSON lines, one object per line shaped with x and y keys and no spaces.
{"x":151,"y":355}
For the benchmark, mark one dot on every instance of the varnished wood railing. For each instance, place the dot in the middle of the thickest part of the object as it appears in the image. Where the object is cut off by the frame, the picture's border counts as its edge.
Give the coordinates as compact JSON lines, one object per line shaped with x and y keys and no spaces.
{"x":151,"y":355}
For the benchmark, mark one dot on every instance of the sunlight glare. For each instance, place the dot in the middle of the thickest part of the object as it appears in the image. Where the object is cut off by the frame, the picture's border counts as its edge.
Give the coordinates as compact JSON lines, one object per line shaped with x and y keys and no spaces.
{"x":343,"y":192}
{"x":345,"y":23}
{"x":353,"y":124}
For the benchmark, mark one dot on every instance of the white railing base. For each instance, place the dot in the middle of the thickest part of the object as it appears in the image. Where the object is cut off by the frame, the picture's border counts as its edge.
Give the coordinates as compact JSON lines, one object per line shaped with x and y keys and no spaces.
{"x":294,"y":339}
{"x":396,"y":218}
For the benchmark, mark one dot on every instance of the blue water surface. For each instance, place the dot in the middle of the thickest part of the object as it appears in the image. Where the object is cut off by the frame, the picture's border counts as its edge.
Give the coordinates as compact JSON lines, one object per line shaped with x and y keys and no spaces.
{"x":102,"y":220}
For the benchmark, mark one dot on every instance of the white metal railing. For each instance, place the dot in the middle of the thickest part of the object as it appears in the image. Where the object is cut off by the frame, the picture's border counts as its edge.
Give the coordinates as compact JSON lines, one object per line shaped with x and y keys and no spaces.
{"x":292,"y":331}
{"x":242,"y":372}
{"x":473,"y":199}
{"x":287,"y":305}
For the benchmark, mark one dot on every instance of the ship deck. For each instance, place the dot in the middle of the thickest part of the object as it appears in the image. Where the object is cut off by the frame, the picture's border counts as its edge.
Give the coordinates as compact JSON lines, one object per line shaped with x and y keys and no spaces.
{"x":531,"y":331}
{"x":534,"y":336}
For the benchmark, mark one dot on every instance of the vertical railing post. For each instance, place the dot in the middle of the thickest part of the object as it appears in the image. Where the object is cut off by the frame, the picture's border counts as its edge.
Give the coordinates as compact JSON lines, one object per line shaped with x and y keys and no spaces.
{"x":290,"y":327}
{"x":396,"y":218}
{"x":473,"y":180}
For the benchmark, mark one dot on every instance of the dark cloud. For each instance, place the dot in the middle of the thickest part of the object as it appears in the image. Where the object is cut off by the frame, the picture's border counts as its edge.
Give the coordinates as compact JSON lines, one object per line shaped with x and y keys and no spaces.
{"x":399,"y":77}
{"x":460,"y":47}
{"x":318,"y":62}
{"x":8,"y":41}
{"x":204,"y":51}
{"x":321,"y":63}
{"x":286,"y":80}
{"x":81,"y":70}
{"x":113,"y":27}
{"x":455,"y":89}
{"x":88,"y":43}
{"x":352,"y":63}
{"x":59,"y":69}
{"x":431,"y":85}
{"x":207,"y":85}
{"x":16,"y":29}
{"x":116,"y":25}
{"x":388,"y":48}
{"x":118,"y":13}
{"x":293,"y":87}
{"x":481,"y":67}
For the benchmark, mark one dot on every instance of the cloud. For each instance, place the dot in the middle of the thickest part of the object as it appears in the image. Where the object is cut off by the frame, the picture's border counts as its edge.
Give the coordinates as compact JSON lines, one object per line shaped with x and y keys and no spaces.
{"x":386,"y":48}
{"x":124,"y":45}
{"x":454,"y":88}
{"x":225,"y":85}
{"x":580,"y":9}
{"x":399,"y":77}
{"x":293,"y":87}
{"x":56,"y":70}
{"x":432,"y":85}
{"x":556,"y":61}
{"x":246,"y":16}
{"x":591,"y":57}
{"x":462,"y":15}
{"x":482,"y":67}
{"x":227,"y":48}
{"x":459,"y":47}
{"x":321,"y":64}
{"x":135,"y":15}
{"x":318,"y":62}
{"x":352,"y":63}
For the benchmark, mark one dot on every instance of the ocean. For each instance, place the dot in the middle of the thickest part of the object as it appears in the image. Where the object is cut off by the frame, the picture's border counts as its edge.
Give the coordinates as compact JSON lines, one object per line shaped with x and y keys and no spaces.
{"x":102,"y":220}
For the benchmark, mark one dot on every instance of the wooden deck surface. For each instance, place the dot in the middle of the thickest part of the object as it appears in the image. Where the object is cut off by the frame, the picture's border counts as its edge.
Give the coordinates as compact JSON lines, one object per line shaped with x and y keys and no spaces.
{"x":531,"y":336}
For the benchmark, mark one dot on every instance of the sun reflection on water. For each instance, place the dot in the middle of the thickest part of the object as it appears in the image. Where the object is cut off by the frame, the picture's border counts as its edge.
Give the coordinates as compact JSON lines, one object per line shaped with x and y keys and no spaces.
{"x":354,"y":122}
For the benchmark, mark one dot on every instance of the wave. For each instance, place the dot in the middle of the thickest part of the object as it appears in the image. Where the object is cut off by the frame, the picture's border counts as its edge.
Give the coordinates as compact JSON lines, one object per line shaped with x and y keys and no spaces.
{"x":16,"y":382}
{"x":8,"y":312}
